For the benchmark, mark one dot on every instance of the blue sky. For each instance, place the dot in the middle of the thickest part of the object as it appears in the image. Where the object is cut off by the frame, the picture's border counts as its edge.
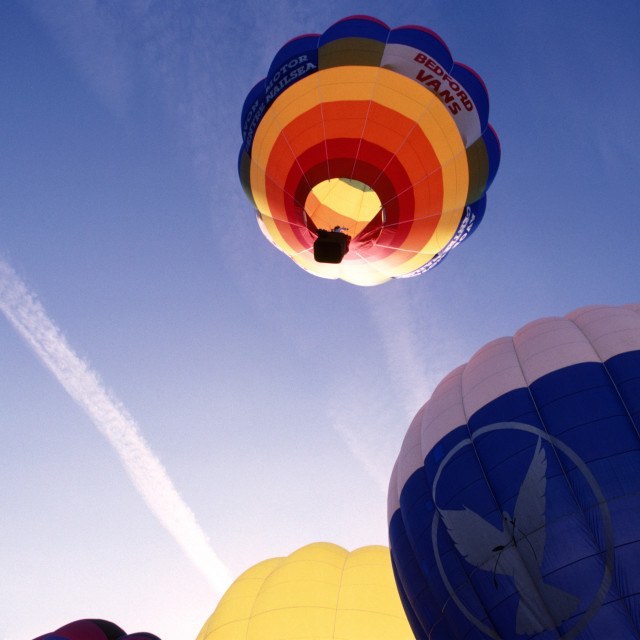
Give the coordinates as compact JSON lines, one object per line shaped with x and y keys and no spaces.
{"x":274,"y":401}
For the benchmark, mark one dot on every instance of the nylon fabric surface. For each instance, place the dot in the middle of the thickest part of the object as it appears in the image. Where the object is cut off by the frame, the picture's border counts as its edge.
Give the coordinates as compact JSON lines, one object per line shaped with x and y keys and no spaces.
{"x":319,"y":592}
{"x":387,"y":109}
{"x":514,"y":506}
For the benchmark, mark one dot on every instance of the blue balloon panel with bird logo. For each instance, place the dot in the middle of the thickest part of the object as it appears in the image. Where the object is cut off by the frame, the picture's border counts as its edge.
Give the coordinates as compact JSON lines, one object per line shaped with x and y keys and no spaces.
{"x":514,"y":505}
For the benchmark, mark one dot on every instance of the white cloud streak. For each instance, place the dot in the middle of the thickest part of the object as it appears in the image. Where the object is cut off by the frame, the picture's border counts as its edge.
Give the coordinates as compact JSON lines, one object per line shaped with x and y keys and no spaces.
{"x":148,"y":475}
{"x":412,"y":356}
{"x":374,"y":426}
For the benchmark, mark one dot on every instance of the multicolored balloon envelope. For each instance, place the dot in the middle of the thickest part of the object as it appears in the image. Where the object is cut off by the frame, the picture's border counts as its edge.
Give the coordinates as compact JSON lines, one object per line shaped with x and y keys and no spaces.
{"x":320,"y":591}
{"x":367,"y":151}
{"x":94,"y":629}
{"x":514,"y":505}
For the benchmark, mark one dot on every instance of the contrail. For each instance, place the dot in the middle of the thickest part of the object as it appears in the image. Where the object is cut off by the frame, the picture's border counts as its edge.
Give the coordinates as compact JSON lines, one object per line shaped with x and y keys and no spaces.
{"x":150,"y":478}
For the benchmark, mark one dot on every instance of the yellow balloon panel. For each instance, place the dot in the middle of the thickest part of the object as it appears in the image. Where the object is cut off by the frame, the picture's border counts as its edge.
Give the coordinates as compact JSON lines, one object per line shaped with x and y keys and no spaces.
{"x":320,"y":592}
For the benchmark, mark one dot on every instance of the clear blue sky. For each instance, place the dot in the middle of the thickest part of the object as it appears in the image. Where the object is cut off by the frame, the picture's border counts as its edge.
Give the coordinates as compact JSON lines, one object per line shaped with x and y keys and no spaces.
{"x":275,"y":401}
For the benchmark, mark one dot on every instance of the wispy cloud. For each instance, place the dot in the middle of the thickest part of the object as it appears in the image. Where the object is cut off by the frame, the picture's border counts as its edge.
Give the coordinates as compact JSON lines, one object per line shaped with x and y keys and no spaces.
{"x":373,"y":424}
{"x":148,"y":475}
{"x":90,"y":37}
{"x":368,"y":428}
{"x":411,"y":353}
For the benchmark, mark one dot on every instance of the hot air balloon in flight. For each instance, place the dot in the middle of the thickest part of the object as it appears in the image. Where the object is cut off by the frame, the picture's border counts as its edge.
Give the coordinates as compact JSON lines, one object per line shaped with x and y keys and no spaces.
{"x":367,"y":151}
{"x":514,"y":505}
{"x":94,"y":629}
{"x":320,"y":591}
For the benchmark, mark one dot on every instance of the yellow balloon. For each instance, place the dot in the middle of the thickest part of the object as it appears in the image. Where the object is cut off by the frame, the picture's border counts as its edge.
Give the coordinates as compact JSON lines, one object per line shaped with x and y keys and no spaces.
{"x":319,"y":592}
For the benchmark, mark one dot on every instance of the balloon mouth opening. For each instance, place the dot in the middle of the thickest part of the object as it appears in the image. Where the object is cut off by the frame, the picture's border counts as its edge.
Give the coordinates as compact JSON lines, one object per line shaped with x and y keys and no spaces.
{"x":340,"y":208}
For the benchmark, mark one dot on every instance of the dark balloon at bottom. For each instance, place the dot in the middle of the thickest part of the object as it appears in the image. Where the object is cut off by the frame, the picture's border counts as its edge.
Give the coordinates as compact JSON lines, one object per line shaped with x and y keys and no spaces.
{"x":94,"y":629}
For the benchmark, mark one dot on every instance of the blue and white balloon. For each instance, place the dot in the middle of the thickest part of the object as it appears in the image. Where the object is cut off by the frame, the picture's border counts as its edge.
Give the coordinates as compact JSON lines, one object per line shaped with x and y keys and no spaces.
{"x":514,"y":505}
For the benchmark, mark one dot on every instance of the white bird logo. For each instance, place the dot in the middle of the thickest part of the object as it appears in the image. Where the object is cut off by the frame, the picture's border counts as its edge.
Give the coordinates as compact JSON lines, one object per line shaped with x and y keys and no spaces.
{"x":516,"y":550}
